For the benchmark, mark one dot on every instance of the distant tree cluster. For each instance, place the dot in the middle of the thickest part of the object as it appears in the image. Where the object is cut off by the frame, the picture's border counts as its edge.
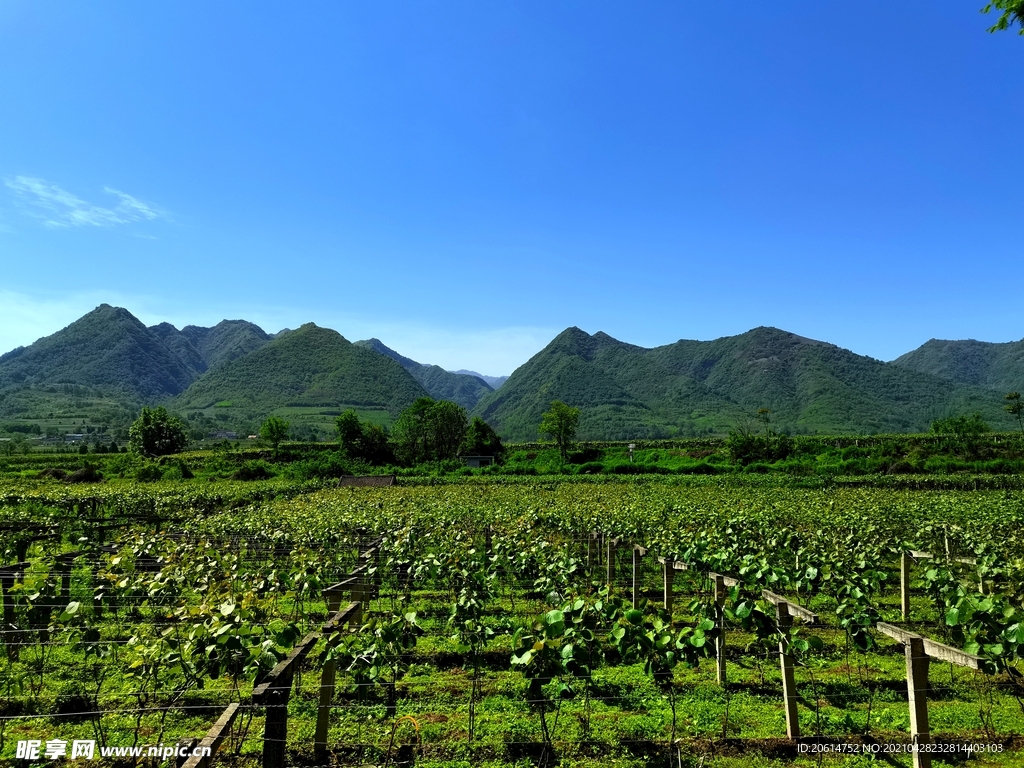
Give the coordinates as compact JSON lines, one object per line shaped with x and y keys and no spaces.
{"x":428,"y":430}
{"x":363,"y":440}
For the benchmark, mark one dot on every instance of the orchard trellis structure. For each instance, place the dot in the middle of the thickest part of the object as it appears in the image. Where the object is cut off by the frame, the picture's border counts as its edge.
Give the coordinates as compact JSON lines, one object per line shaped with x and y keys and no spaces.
{"x":274,"y":692}
{"x":919,"y":649}
{"x":556,"y":542}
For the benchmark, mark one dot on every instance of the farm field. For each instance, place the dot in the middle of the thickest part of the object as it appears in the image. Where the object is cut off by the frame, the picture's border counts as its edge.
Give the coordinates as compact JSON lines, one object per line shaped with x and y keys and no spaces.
{"x":513,"y":622}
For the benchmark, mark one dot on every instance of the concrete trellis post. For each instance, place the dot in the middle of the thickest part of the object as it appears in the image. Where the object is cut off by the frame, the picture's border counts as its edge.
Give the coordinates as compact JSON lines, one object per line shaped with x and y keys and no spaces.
{"x":920,"y":650}
{"x":669,"y":577}
{"x":788,"y":678}
{"x":610,"y":561}
{"x":905,"y":585}
{"x":917,"y":690}
{"x":720,"y":622}
{"x":638,"y":553}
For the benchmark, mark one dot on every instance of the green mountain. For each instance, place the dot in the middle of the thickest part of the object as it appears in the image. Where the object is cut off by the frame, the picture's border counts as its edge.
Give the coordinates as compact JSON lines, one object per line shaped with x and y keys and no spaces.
{"x":108,"y":349}
{"x":441,"y":384}
{"x":310,"y":367}
{"x":226,"y":341}
{"x":697,"y":387}
{"x":102,"y":367}
{"x":978,"y":363}
{"x":494,"y":382}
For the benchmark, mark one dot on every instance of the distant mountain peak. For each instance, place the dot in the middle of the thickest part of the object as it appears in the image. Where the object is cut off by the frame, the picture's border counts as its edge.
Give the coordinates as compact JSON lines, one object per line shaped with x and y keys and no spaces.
{"x":378,"y":346}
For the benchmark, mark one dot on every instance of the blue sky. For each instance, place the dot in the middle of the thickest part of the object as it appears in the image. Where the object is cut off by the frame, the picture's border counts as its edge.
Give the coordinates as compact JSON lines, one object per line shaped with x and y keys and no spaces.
{"x":465,"y":180}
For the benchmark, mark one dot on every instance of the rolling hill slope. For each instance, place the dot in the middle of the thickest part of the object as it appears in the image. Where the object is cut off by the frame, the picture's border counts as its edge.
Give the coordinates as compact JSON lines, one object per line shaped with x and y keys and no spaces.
{"x":307,"y":367}
{"x":977,"y":363}
{"x":108,"y":349}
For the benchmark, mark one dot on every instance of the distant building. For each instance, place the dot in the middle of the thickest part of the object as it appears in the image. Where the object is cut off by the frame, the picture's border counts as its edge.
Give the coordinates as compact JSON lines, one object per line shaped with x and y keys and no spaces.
{"x":477,"y":461}
{"x":223,"y":434}
{"x":76,"y":438}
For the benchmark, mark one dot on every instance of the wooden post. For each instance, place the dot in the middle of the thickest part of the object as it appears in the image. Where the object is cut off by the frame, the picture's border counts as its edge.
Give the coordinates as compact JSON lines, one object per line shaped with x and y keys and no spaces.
{"x":788,"y":679}
{"x":378,"y":575}
{"x":10,"y":639}
{"x":905,"y":585}
{"x":610,"y":561}
{"x":590,"y":550}
{"x":220,"y":731}
{"x":917,"y":695}
{"x":720,"y":621}
{"x":64,"y":564}
{"x":636,"y":575}
{"x":275,"y":730}
{"x":669,"y":577}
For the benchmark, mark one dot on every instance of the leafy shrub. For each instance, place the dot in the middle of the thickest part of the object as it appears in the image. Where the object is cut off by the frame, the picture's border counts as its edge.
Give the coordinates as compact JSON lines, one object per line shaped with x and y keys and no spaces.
{"x":87,"y":474}
{"x":178,"y":470}
{"x":630,"y":469}
{"x":519,"y":470}
{"x":326,"y":465}
{"x":902,"y":467}
{"x":590,"y":468}
{"x":149,"y":473}
{"x":701,"y":468}
{"x":585,"y":456}
{"x":253,"y":470}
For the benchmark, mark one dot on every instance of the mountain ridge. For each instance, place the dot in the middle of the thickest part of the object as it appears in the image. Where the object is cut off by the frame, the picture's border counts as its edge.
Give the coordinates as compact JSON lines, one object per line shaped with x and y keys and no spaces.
{"x":439,"y":383}
{"x":625,"y":391}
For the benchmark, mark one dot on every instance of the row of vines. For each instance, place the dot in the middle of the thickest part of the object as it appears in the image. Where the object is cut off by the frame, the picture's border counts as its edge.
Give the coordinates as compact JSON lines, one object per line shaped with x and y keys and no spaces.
{"x":136,"y":615}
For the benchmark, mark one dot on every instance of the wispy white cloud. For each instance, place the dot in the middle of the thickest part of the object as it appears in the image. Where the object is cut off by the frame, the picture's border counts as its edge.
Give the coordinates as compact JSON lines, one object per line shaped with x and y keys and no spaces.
{"x":59,"y":208}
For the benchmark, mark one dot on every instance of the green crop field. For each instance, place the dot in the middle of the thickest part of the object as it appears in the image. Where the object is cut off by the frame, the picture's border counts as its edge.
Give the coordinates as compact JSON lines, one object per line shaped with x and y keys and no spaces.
{"x":512,"y":622}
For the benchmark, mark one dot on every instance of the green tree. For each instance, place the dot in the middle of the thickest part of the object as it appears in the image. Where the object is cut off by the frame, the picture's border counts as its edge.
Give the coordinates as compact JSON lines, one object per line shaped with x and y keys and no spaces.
{"x":1015,"y":408}
{"x":964,"y":432}
{"x":1012,"y":13}
{"x":481,"y":440}
{"x":429,"y":430}
{"x":350,"y":433}
{"x":274,"y":430}
{"x":157,"y":433}
{"x":376,"y":445}
{"x":446,"y":424}
{"x":409,"y":433}
{"x":363,"y":440}
{"x":559,"y":423}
